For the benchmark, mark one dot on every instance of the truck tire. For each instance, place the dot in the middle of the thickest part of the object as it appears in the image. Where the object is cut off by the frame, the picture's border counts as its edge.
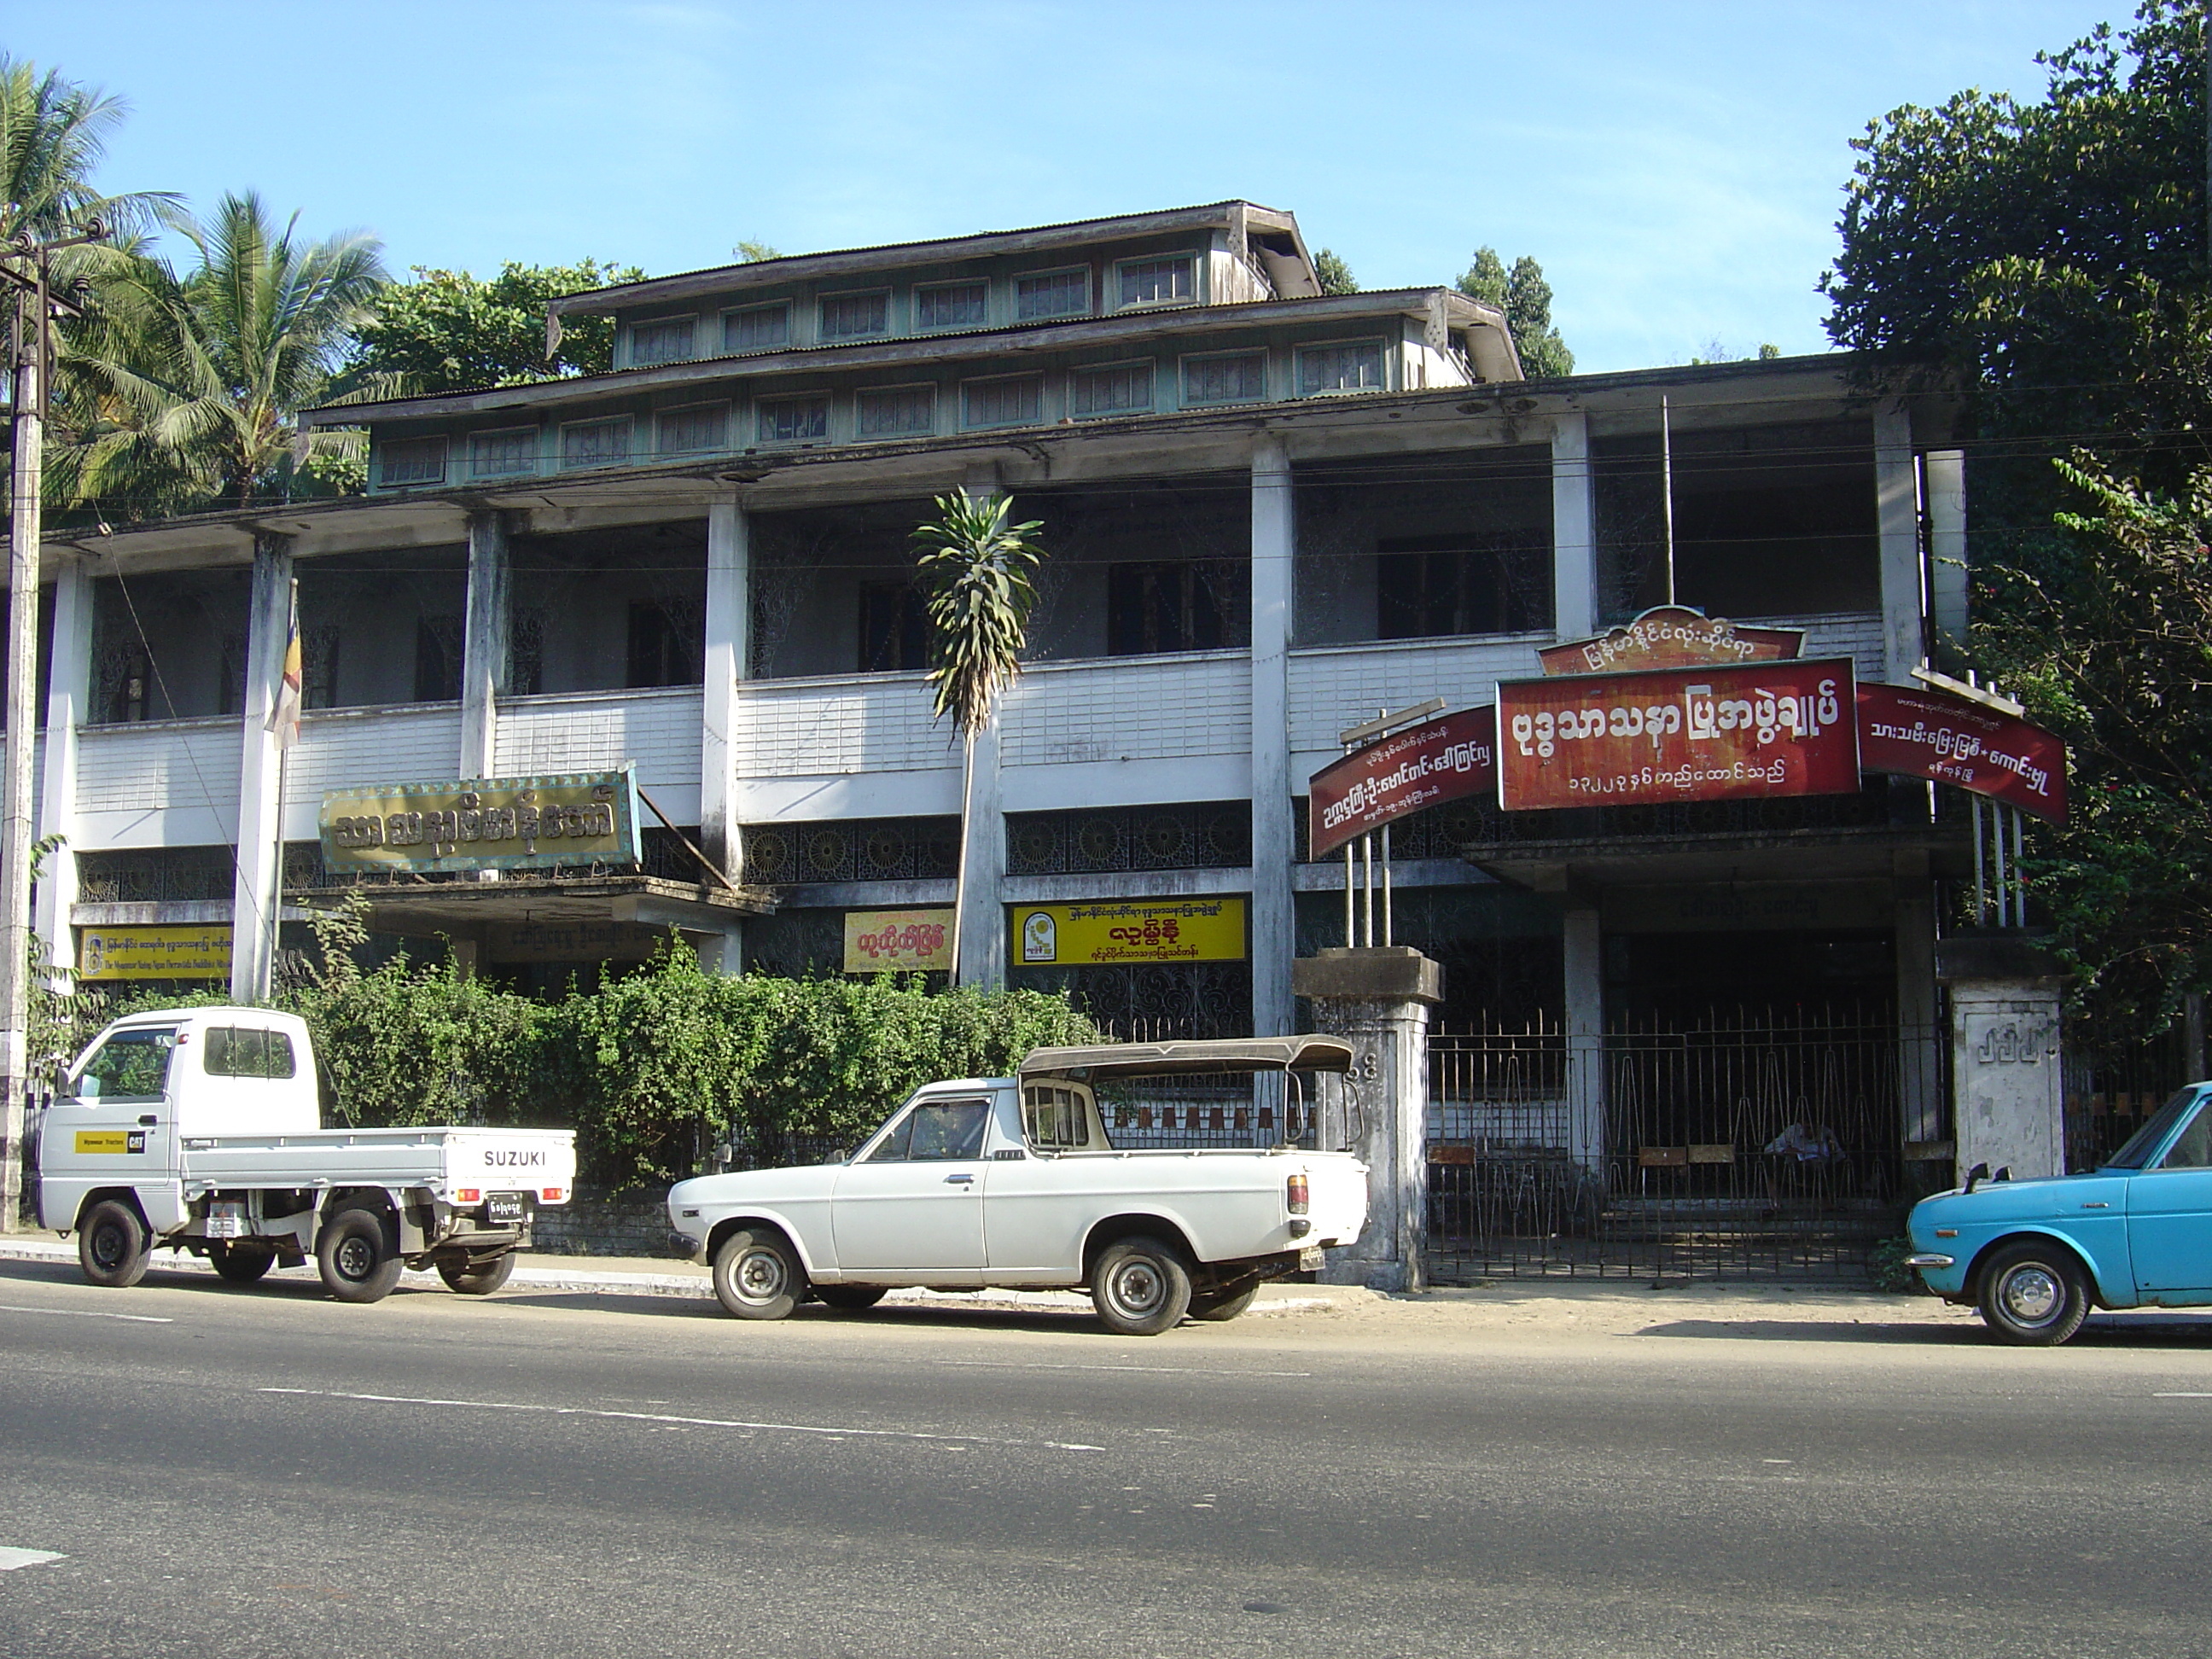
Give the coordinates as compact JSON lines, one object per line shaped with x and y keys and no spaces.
{"x":758,"y":1275}
{"x":1140,"y":1287}
{"x":475,"y":1278}
{"x":849,"y":1298}
{"x":1219,"y":1308}
{"x":240,"y":1264}
{"x":113,"y":1245}
{"x":357,"y":1256}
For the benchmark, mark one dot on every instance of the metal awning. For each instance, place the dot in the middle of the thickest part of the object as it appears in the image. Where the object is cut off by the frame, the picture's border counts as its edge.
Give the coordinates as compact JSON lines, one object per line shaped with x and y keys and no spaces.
{"x":1227,"y":1056}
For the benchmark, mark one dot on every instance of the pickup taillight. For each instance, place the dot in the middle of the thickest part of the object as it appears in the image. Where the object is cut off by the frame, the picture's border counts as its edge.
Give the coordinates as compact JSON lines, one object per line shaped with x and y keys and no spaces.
{"x":1296,"y":1194}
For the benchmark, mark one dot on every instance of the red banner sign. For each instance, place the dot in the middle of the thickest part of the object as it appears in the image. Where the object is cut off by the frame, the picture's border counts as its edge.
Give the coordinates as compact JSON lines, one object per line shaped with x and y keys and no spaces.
{"x":1446,"y":759}
{"x":1672,"y":636}
{"x":1926,"y":733}
{"x":1778,"y":728}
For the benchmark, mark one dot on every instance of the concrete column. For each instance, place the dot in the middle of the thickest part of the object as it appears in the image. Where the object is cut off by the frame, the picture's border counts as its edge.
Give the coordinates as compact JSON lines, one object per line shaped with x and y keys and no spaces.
{"x":722,"y":953}
{"x":1919,"y":1044}
{"x":488,"y":648}
{"x":1380,"y":999}
{"x":1274,"y":551}
{"x":1574,"y":529}
{"x":69,"y":699}
{"x":1944,"y":474}
{"x":729,"y":618}
{"x":1897,"y":510}
{"x":1584,"y":959}
{"x":255,"y":895}
{"x":2007,"y":1085}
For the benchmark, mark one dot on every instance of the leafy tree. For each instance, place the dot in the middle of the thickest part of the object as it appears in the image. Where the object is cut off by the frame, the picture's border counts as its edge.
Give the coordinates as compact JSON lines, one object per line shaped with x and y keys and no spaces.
{"x":1526,"y":300}
{"x":447,"y":331}
{"x":752,"y":252}
{"x":976,"y":571}
{"x":1332,"y":273}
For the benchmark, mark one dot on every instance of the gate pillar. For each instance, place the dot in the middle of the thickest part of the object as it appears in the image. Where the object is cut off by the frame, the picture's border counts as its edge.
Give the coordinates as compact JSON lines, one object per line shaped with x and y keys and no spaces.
{"x":2008,"y":1103}
{"x":1379,"y":998}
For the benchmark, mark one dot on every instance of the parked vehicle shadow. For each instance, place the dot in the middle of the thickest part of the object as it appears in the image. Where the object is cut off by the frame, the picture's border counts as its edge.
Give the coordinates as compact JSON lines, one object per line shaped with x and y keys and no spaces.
{"x":2150,"y":1329}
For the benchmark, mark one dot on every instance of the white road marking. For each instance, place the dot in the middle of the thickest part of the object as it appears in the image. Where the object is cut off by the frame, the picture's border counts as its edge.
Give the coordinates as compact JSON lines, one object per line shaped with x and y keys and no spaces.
{"x":88,"y":1313}
{"x":1162,"y":1370}
{"x":12,"y":1558}
{"x":691,"y":1422}
{"x":2182,"y":1396}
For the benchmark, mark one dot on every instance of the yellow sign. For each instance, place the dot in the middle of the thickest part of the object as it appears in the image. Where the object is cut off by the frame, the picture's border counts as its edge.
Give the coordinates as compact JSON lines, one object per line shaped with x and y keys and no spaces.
{"x":486,"y":823}
{"x":1162,"y":930}
{"x":898,"y":941}
{"x":149,"y":952}
{"x":111,"y":1140}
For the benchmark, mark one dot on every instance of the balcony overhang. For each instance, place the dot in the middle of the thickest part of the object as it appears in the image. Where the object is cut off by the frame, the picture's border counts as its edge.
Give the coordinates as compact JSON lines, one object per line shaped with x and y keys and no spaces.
{"x":1568,"y":865}
{"x":463,"y":909}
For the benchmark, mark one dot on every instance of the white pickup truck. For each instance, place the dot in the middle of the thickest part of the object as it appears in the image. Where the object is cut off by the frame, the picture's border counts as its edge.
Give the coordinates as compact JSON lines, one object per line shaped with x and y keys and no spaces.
{"x":199,"y":1129}
{"x":1012,"y":1182}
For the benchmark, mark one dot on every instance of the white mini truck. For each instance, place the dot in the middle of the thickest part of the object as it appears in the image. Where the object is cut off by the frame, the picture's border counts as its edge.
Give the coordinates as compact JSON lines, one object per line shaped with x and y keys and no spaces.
{"x":199,"y":1129}
{"x":1012,"y":1182}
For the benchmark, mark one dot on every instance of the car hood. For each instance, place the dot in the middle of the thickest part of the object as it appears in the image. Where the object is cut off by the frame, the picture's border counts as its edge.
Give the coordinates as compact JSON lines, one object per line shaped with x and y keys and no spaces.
{"x":2023,"y":1201}
{"x":755,"y":1186}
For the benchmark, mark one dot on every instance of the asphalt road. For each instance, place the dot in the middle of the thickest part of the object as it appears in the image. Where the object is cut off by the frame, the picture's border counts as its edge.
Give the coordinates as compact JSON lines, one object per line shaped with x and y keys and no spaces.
{"x":265,"y":1472}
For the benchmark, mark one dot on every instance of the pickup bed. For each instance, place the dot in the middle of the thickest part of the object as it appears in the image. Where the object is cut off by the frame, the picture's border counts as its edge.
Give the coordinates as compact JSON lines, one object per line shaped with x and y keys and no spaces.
{"x":200,"y":1130}
{"x":1012,"y":1181}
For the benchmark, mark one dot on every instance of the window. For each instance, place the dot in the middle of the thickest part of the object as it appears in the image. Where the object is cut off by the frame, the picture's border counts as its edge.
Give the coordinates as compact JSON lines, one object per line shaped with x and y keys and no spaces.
{"x":1354,"y":367}
{"x":437,"y":659}
{"x":1159,"y":606}
{"x":756,"y":328}
{"x":1241,"y":378}
{"x":951,"y":305}
{"x":894,"y":628}
{"x":1154,"y":282}
{"x":493,"y":454}
{"x":1014,"y":401}
{"x":936,"y":1131}
{"x":665,"y":342}
{"x":234,"y":1051}
{"x":413,"y":461}
{"x":2193,"y":1147}
{"x":1055,"y":1117}
{"x":794,"y":420}
{"x":894,"y":412}
{"x":854,"y":316}
{"x":1117,"y":389}
{"x":129,"y":1065}
{"x":1052,"y":294}
{"x":659,"y":653}
{"x":701,"y":427}
{"x":1478,"y":584}
{"x":596,"y":443}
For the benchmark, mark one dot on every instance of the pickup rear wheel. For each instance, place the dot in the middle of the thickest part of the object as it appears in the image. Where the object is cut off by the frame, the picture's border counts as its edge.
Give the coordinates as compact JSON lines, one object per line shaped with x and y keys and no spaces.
{"x":357,"y":1256}
{"x":1140,"y":1287}
{"x":2034,"y":1294}
{"x":758,"y":1275}
{"x":476,"y":1279}
{"x":240,"y":1264}
{"x":113,"y":1245}
{"x":1218,"y":1308}
{"x":849,"y":1298}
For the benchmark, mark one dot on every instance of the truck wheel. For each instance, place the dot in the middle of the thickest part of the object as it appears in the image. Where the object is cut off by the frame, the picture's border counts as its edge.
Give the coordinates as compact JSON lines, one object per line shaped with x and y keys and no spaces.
{"x":1218,"y":1308}
{"x":2032,"y":1295}
{"x":113,"y":1245}
{"x":240,"y":1264}
{"x":355,"y":1256}
{"x":1140,"y":1287}
{"x":849,"y":1298}
{"x":756,"y":1276}
{"x":475,"y":1278}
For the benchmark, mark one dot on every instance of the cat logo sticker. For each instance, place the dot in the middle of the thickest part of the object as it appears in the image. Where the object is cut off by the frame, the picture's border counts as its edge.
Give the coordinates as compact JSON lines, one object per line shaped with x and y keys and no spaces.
{"x":111,"y":1140}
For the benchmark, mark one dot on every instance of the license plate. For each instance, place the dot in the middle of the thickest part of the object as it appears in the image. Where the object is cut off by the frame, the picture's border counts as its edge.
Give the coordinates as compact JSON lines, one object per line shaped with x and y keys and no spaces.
{"x":504,"y":1209}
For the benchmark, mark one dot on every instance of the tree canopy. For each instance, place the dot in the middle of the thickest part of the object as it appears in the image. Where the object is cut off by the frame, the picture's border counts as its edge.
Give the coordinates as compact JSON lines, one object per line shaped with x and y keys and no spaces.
{"x":446,"y":331}
{"x":1332,"y":273}
{"x":1526,"y":298}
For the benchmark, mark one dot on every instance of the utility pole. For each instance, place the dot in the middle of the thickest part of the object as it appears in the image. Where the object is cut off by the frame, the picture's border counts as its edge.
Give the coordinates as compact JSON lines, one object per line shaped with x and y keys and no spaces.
{"x":27,"y":265}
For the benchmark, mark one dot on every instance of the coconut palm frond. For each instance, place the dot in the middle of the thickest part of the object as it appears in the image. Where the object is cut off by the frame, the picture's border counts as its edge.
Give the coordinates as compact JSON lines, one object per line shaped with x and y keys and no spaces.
{"x":975,"y":568}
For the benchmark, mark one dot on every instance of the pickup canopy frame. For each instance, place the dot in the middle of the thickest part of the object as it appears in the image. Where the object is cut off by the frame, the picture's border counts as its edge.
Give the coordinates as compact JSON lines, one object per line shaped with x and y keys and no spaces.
{"x":1223,"y":1057}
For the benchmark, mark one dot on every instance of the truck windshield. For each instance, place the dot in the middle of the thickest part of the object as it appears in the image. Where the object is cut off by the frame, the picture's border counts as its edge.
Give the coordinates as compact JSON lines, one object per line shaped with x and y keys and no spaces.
{"x":129,"y":1065}
{"x":2144,"y":1141}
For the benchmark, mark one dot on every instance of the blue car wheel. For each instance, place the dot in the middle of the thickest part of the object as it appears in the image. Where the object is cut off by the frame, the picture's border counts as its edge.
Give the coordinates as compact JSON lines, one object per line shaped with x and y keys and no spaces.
{"x":2034,"y":1294}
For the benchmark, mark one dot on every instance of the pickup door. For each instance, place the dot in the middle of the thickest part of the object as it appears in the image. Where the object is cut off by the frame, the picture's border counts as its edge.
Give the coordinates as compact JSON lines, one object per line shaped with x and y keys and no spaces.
{"x":914,"y":1203}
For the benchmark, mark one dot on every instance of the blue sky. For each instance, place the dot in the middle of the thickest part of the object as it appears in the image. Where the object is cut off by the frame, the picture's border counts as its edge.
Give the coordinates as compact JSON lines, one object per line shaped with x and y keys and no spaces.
{"x":1678,"y":169}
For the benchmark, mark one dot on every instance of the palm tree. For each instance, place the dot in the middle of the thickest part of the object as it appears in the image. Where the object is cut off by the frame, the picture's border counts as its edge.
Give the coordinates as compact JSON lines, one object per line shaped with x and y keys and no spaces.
{"x":182,"y":389}
{"x":976,"y":574}
{"x":52,"y":134}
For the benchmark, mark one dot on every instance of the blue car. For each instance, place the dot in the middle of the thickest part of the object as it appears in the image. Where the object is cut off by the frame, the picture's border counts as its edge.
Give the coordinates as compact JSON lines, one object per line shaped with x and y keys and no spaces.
{"x":2035,"y":1255}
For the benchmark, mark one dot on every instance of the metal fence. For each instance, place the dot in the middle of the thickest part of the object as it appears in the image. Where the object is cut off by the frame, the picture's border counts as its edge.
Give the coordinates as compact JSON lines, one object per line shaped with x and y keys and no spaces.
{"x":1740,"y":1143}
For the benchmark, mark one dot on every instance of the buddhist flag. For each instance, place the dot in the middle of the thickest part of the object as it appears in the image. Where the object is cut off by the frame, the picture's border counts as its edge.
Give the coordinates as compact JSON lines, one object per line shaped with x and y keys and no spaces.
{"x":284,"y":719}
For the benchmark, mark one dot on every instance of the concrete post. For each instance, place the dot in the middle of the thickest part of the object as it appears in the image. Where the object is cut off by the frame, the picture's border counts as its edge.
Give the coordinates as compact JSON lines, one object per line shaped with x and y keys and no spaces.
{"x":1896,"y":511}
{"x":1380,"y":998}
{"x":1274,"y":549}
{"x":1574,"y":529}
{"x":729,"y":617}
{"x":69,"y":699}
{"x":1920,"y":1079}
{"x":487,"y":649}
{"x":2009,"y":1094}
{"x":1945,"y":473}
{"x":722,"y":953}
{"x":255,"y":894}
{"x":1583,"y":954}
